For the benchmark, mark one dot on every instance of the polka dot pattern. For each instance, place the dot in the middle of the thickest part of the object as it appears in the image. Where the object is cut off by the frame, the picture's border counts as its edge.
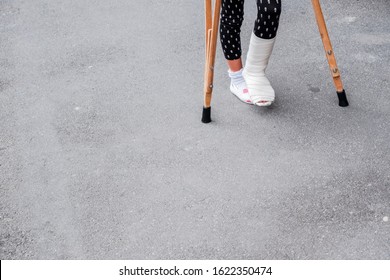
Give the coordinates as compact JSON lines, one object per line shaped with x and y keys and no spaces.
{"x":267,"y":22}
{"x":232,"y":16}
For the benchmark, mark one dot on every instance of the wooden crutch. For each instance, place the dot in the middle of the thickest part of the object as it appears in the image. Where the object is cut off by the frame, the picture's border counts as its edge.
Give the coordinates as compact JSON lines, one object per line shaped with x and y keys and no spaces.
{"x":343,"y":102}
{"x":211,"y":36}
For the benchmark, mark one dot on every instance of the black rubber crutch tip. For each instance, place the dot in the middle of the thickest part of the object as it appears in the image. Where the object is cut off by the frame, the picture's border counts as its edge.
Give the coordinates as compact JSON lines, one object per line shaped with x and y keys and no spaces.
{"x":206,"y":116}
{"x":343,"y":101}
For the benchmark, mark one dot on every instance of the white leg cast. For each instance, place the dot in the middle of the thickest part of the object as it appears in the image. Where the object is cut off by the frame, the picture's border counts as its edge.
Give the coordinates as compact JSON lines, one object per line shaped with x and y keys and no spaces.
{"x":260,"y":89}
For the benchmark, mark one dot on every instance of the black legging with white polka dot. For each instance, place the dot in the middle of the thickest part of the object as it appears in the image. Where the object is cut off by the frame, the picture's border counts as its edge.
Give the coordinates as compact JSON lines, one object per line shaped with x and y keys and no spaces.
{"x":232,"y":16}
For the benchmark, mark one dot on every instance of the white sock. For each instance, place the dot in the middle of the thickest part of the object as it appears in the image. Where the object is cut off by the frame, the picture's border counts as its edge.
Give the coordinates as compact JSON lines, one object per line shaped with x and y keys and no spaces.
{"x":238,"y":86}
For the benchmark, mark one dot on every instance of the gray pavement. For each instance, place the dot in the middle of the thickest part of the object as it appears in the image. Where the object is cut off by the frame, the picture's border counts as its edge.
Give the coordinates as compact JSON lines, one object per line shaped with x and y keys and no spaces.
{"x":103,"y":155}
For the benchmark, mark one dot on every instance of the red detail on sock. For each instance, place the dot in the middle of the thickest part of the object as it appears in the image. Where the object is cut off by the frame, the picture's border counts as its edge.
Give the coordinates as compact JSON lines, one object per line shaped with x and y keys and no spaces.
{"x":248,"y":101}
{"x":245,"y":91}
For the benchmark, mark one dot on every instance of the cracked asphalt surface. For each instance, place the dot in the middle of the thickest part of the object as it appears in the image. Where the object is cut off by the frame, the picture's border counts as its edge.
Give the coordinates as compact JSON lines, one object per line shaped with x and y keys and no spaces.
{"x":103,"y":155}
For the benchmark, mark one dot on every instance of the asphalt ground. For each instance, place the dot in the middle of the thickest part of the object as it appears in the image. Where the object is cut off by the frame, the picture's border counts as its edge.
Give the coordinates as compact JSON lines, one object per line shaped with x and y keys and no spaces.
{"x":103,"y":155}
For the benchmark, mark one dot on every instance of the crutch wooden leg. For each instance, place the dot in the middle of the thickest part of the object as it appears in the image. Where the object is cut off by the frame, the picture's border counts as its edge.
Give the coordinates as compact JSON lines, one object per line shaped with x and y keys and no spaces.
{"x":211,"y":35}
{"x":343,"y":102}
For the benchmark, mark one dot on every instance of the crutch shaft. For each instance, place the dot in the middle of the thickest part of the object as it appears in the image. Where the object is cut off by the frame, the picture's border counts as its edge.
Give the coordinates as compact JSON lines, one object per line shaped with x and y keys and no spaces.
{"x":211,"y":50}
{"x":208,"y":22}
{"x":327,"y":45}
{"x":330,"y":53}
{"x":211,"y":34}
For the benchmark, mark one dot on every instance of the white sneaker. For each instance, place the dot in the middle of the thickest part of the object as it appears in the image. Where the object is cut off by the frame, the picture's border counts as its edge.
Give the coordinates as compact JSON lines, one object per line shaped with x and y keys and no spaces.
{"x":238,"y":86}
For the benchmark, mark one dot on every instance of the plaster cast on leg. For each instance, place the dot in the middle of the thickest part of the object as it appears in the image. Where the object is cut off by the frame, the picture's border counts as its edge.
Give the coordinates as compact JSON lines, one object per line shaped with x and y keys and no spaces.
{"x":260,"y":89}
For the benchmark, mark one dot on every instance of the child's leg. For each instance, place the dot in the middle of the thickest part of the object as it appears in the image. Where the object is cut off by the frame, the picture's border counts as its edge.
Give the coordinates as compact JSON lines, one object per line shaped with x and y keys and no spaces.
{"x":267,"y":22}
{"x":260,"y":50}
{"x":232,"y":16}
